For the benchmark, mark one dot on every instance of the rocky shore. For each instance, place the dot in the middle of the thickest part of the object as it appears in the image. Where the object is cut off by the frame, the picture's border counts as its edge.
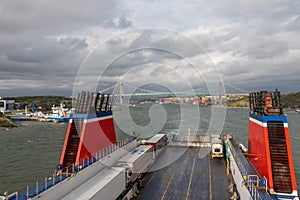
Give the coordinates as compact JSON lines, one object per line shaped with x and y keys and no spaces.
{"x":6,"y":123}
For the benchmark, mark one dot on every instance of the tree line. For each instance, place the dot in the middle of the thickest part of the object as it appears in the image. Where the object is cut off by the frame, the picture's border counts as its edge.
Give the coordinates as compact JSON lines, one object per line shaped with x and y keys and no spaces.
{"x":42,"y":103}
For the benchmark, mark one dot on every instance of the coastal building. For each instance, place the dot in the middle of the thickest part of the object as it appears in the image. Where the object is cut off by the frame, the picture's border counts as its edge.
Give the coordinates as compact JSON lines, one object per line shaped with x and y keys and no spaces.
{"x":6,"y":105}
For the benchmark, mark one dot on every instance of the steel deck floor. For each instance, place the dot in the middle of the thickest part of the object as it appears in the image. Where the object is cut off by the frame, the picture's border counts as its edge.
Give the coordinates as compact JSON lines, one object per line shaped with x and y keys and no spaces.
{"x":194,"y":175}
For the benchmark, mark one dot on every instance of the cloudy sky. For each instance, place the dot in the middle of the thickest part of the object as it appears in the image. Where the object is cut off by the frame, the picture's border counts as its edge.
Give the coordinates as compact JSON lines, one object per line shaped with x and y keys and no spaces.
{"x":51,"y":47}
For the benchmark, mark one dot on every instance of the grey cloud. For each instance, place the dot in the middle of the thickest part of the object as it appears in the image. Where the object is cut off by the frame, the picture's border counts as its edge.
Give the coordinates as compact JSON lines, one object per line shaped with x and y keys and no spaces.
{"x":255,"y":42}
{"x":120,"y":22}
{"x":46,"y":50}
{"x":235,"y":69}
{"x":294,"y":25}
{"x":146,"y":47}
{"x":267,"y":49}
{"x":158,"y":71}
{"x":49,"y":66}
{"x":54,"y":16}
{"x":137,"y":59}
{"x":248,"y":10}
{"x":37,"y":40}
{"x":264,"y":73}
{"x":247,"y":50}
{"x":175,"y":44}
{"x":47,"y":41}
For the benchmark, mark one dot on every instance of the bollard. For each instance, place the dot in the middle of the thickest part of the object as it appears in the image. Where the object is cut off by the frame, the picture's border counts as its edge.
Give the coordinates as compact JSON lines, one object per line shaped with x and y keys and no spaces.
{"x":37,"y":187}
{"x":46,"y":183}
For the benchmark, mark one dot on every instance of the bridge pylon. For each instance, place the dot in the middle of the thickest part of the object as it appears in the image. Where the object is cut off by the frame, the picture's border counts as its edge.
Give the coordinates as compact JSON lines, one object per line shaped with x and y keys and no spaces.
{"x":121,"y":94}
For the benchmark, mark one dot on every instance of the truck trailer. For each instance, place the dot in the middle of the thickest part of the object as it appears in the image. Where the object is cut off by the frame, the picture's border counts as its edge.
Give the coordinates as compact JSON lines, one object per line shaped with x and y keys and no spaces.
{"x":159,"y":143}
{"x":107,"y":184}
{"x":138,"y":161}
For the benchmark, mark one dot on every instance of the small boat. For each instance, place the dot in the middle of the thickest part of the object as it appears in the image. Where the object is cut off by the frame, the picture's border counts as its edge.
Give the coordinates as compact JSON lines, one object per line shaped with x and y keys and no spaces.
{"x":21,"y":116}
{"x":59,"y":114}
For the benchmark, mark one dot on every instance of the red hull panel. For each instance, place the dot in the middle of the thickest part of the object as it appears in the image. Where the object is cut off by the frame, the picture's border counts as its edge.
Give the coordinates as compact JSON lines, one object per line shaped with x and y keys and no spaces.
{"x":259,"y":151}
{"x":96,"y":136}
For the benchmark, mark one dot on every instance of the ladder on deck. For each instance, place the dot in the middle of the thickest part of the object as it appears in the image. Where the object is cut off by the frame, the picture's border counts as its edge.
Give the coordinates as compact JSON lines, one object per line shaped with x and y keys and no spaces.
{"x":279,"y":157}
{"x":73,"y":143}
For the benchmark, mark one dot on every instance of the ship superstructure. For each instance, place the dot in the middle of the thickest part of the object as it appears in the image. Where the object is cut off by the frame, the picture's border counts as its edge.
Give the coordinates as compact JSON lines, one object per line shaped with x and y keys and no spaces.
{"x":90,"y":129}
{"x":269,"y":147}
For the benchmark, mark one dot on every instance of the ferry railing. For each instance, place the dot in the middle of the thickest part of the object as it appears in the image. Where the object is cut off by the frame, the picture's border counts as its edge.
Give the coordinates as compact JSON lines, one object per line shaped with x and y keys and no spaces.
{"x":238,"y":161}
{"x":251,"y":184}
{"x":69,"y":172}
{"x":13,"y":195}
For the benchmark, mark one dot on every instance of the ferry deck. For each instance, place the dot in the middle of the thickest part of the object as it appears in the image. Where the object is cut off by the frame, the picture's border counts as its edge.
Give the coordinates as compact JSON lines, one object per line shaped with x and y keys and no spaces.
{"x":194,"y":175}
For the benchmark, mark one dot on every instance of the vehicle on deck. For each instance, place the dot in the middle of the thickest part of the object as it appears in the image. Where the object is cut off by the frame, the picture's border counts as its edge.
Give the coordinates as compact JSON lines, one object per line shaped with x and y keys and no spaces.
{"x":159,"y":143}
{"x":216,"y":147}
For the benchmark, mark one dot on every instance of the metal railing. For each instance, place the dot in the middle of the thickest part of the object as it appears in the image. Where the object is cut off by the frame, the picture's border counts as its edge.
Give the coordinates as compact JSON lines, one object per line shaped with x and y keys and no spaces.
{"x":252,"y":185}
{"x":69,"y":172}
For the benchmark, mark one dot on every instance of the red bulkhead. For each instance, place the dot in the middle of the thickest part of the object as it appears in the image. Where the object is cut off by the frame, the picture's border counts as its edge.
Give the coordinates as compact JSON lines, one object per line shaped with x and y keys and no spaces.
{"x":258,"y":149}
{"x":96,"y":136}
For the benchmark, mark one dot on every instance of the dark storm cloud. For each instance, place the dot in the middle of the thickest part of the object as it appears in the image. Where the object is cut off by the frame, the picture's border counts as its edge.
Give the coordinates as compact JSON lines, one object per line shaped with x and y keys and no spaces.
{"x":37,"y":44}
{"x":136,"y":50}
{"x":47,"y":50}
{"x":128,"y":61}
{"x":45,"y":42}
{"x":176,"y":43}
{"x":267,"y":49}
{"x":53,"y":16}
{"x":257,"y":47}
{"x":51,"y":57}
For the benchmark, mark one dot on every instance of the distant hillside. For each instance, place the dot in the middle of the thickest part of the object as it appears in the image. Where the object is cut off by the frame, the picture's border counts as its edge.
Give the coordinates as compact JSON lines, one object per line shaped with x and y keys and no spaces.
{"x":43,"y":102}
{"x":288,"y":101}
{"x":291,"y":100}
{"x":238,"y":102}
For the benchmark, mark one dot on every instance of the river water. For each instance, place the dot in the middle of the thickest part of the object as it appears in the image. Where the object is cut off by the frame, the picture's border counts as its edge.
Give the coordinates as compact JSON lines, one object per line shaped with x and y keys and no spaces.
{"x":31,"y":152}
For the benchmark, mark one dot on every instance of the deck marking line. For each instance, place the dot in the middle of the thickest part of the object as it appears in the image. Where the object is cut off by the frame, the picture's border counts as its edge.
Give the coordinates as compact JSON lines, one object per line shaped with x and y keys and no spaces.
{"x":210,"y":185}
{"x":148,"y":182}
{"x":191,"y":177}
{"x":163,"y":196}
